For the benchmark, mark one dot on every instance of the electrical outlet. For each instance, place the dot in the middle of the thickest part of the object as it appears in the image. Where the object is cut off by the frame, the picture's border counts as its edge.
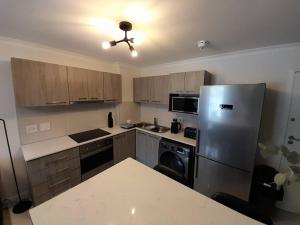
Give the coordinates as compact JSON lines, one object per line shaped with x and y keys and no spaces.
{"x":45,"y":126}
{"x":30,"y":129}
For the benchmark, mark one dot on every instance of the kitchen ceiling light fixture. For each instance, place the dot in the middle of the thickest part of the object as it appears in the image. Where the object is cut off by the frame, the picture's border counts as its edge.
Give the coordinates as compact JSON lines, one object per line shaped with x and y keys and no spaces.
{"x":125,"y":26}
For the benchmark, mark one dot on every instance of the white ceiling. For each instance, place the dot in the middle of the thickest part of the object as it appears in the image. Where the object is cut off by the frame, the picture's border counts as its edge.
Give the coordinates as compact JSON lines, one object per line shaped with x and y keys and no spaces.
{"x":171,"y":27}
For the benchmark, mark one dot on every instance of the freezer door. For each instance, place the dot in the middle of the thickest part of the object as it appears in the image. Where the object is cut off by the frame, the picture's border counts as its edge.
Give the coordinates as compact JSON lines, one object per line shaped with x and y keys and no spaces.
{"x":229,"y":122}
{"x":212,"y":177}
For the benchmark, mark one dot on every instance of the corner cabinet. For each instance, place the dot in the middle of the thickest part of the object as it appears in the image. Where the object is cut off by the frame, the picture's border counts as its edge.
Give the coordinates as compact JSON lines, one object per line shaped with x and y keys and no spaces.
{"x":147,"y":146}
{"x":124,"y":146}
{"x":39,"y":84}
{"x":152,"y":89}
{"x":112,"y":87}
{"x":141,"y":89}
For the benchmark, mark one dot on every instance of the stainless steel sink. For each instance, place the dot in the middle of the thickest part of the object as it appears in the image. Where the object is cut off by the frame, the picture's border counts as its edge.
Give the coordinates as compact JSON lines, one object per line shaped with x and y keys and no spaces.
{"x":153,"y":128}
{"x":143,"y":125}
{"x":160,"y":129}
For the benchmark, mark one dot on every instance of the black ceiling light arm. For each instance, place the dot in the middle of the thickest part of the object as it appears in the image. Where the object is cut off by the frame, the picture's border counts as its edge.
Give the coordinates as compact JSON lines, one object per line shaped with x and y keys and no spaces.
{"x":22,"y":205}
{"x":125,"y":26}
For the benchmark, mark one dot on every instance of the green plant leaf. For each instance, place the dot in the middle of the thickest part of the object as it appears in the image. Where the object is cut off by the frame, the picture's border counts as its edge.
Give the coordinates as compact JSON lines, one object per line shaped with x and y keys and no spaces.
{"x":280,"y":179}
{"x":285,"y":151}
{"x":293,"y":157}
{"x":267,"y":150}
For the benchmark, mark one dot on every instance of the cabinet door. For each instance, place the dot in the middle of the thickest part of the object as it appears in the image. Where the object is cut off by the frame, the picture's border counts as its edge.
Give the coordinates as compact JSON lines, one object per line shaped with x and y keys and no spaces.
{"x":38,"y":83}
{"x":78,"y":84}
{"x":119,"y":148}
{"x":95,"y":85}
{"x":112,"y":87}
{"x":141,"y":147}
{"x":193,"y":80}
{"x":160,"y":89}
{"x":124,"y":146}
{"x":117,"y":87}
{"x":130,"y":144}
{"x":177,"y":82}
{"x":152,"y":151}
{"x":56,"y":83}
{"x":141,"y":89}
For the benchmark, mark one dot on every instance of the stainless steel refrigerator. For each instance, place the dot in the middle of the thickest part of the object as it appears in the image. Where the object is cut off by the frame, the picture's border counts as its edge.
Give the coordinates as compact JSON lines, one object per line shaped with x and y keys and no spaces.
{"x":228,"y":129}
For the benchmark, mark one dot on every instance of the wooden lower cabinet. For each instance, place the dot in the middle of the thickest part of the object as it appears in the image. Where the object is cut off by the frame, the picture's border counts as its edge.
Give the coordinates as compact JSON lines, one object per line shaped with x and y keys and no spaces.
{"x":124,"y":146}
{"x":53,"y":174}
{"x":147,"y":146}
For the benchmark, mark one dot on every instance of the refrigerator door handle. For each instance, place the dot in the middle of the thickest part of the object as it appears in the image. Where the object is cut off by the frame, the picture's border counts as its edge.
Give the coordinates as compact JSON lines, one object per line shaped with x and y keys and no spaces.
{"x":198,"y":141}
{"x":196,"y":167}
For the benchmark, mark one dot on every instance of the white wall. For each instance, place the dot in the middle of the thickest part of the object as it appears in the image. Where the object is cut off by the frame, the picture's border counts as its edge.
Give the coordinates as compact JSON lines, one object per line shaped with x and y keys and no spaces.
{"x":273,"y":66}
{"x":14,"y":48}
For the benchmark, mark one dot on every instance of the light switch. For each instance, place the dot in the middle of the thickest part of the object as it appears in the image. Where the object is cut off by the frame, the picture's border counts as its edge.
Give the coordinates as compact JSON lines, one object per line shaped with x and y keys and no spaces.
{"x":30,"y":129}
{"x":45,"y":126}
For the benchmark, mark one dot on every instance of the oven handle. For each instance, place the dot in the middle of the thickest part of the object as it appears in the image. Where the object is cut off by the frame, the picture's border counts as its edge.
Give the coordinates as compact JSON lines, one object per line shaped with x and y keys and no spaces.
{"x":94,"y":152}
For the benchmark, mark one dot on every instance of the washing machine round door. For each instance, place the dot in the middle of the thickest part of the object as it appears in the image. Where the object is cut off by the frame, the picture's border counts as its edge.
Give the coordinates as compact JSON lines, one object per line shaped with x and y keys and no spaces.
{"x":172,"y":161}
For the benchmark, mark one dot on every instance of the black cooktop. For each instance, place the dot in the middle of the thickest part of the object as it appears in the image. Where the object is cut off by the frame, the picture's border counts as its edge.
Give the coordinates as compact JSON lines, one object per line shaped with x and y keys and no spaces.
{"x":88,"y":135}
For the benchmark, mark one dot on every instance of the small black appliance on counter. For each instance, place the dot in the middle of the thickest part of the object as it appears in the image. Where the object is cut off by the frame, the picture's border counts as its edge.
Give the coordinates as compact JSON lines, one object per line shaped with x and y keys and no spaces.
{"x":175,"y":126}
{"x":190,"y":132}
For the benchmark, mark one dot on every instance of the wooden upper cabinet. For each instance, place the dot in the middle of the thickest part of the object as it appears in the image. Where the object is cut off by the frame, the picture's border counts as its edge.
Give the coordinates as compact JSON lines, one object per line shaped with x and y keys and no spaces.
{"x":193,"y":80}
{"x":177,"y":82}
{"x":78,"y":84}
{"x":39,"y":83}
{"x":95,"y":85}
{"x":189,"y":82}
{"x":141,"y":89}
{"x":112,"y":87}
{"x":85,"y":85}
{"x":160,"y":89}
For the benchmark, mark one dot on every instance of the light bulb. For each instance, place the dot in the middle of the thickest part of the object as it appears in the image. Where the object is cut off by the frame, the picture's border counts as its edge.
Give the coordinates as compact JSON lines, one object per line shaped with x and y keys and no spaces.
{"x":106,"y":45}
{"x":134,"y":53}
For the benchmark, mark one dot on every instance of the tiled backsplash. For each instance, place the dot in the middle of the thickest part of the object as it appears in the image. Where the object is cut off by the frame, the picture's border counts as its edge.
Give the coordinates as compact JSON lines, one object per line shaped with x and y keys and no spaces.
{"x":149,"y":111}
{"x":66,"y":120}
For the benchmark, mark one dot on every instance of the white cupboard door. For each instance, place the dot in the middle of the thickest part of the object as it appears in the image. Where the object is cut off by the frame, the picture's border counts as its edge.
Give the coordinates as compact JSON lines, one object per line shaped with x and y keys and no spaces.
{"x":152,"y":153}
{"x":292,"y":141}
{"x":141,"y":147}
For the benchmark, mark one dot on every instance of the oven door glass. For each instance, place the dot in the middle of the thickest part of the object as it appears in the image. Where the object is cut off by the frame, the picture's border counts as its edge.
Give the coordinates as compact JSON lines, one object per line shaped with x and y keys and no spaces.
{"x":95,"y":160}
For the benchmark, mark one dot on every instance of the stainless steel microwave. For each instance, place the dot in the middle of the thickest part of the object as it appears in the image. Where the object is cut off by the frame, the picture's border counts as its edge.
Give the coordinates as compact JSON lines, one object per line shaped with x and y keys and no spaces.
{"x":184,"y":103}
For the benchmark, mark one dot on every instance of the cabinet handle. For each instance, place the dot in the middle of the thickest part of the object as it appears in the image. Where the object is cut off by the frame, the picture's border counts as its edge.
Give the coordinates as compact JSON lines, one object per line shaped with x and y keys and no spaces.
{"x":62,"y":170}
{"x":156,"y":101}
{"x":56,"y":102}
{"x":110,"y":100}
{"x":82,"y":98}
{"x":56,"y":160}
{"x":144,"y":100}
{"x":59,"y":182}
{"x":94,"y":98}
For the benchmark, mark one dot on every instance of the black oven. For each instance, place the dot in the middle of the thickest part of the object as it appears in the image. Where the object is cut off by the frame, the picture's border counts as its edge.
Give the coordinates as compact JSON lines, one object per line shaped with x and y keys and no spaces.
{"x":184,"y":103}
{"x":96,"y":157}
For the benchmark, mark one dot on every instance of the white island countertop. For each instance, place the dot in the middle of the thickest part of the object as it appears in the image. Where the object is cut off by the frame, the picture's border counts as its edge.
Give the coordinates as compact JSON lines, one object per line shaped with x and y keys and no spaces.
{"x":130,"y":193}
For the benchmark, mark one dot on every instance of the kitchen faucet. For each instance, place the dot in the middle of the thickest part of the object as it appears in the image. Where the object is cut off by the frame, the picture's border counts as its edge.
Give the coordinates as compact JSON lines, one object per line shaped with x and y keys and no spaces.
{"x":155,"y":122}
